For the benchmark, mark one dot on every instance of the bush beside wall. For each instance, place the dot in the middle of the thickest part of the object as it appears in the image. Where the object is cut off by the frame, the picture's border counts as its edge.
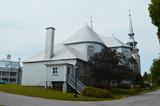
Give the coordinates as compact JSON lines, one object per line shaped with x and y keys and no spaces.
{"x":96,"y":92}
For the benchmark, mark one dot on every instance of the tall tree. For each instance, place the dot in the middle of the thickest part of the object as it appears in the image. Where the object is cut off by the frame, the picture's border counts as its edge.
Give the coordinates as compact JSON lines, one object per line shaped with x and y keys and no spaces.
{"x":102,"y":66}
{"x":147,"y":77}
{"x":124,"y":70}
{"x":155,"y":71}
{"x":138,"y":80}
{"x":154,"y":10}
{"x":108,"y":65}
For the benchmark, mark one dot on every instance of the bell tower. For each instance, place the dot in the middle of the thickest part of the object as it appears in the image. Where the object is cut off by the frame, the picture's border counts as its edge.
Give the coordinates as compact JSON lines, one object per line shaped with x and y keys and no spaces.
{"x":133,"y":44}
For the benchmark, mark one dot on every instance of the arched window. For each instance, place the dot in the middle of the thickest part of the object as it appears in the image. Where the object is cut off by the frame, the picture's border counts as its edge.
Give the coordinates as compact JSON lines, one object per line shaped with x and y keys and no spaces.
{"x":90,"y":51}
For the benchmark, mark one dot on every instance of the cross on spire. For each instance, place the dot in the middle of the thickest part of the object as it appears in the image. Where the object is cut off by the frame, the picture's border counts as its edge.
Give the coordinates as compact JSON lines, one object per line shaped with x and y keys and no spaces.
{"x":129,"y":11}
{"x":91,"y":22}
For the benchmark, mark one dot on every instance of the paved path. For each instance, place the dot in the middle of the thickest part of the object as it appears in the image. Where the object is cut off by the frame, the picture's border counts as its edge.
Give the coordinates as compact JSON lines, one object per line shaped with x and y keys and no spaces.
{"x":149,"y":99}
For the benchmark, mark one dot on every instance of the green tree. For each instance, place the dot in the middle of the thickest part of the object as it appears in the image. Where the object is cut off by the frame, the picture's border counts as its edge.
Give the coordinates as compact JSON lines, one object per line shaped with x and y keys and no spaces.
{"x":155,"y":71}
{"x":107,"y":66}
{"x":154,"y":10}
{"x":123,"y":71}
{"x":147,"y":78}
{"x":102,"y":66}
{"x":138,"y":80}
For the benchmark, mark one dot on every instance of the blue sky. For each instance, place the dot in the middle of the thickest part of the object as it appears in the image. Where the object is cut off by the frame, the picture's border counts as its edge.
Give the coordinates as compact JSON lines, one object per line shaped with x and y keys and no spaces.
{"x":23,"y":23}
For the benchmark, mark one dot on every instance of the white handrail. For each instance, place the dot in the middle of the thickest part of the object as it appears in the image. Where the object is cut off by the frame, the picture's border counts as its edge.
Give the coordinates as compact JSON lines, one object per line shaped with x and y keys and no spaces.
{"x":80,"y":86}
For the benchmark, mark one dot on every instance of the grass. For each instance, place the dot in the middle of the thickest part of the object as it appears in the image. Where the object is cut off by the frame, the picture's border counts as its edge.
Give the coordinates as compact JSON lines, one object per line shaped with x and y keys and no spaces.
{"x":52,"y":94}
{"x":120,"y":93}
{"x":44,"y":93}
{"x":150,"y":90}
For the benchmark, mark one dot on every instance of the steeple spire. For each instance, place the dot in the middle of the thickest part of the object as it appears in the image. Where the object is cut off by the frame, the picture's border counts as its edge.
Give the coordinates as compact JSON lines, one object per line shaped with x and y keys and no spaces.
{"x":133,"y":44}
{"x":131,"y":34}
{"x":130,"y":26}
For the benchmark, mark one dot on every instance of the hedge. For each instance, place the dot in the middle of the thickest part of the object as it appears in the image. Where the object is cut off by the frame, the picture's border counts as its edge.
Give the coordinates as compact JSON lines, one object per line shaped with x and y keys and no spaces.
{"x":96,"y":92}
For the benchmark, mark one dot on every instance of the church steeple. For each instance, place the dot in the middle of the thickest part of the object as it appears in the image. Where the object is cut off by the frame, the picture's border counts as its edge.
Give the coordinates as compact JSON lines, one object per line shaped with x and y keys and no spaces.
{"x":131,"y":34}
{"x":133,"y":44}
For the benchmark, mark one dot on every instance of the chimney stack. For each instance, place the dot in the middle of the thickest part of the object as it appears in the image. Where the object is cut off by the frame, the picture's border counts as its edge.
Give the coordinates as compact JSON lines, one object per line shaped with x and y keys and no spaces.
{"x":49,"y":44}
{"x":8,"y":57}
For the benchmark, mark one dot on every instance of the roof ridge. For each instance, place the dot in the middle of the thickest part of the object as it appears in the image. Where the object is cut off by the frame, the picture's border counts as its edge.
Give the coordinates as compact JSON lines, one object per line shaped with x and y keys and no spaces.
{"x":112,"y":41}
{"x":118,"y":40}
{"x":66,"y":47}
{"x":85,"y":34}
{"x":74,"y":50}
{"x":33,"y":56}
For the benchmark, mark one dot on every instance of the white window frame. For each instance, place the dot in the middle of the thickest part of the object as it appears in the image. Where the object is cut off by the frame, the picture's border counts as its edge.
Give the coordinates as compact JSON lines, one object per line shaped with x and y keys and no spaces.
{"x":90,"y":51}
{"x":54,"y":71}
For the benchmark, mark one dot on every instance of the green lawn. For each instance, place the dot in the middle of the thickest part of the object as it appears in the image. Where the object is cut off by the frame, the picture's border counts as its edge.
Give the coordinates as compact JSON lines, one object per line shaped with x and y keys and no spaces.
{"x":52,"y":94}
{"x":119,"y":92}
{"x":44,"y":93}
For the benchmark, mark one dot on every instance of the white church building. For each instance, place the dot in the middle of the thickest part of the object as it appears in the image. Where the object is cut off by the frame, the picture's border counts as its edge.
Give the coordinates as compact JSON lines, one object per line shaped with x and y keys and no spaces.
{"x":58,"y":64}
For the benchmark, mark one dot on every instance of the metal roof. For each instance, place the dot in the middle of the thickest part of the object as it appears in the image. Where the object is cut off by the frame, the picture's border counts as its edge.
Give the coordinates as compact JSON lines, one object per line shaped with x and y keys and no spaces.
{"x":86,"y":34}
{"x":113,"y":42}
{"x":62,"y":52}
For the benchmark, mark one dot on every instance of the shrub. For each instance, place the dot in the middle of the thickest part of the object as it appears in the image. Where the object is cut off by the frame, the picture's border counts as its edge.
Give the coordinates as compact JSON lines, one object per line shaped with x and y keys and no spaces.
{"x":138,"y":89}
{"x":96,"y":92}
{"x":89,"y":91}
{"x":147,"y":86}
{"x":125,"y":86}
